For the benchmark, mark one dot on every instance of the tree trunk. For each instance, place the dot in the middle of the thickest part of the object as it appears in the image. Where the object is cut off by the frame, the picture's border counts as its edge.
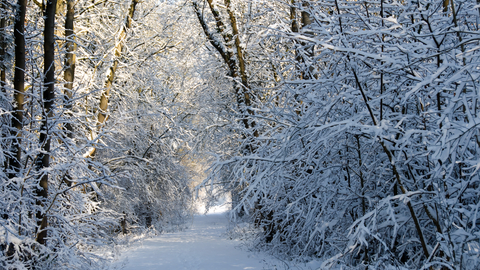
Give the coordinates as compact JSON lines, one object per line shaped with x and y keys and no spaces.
{"x":3,"y":92}
{"x":237,"y":71}
{"x":240,"y":59}
{"x":236,"y":66}
{"x":19,"y":88}
{"x":245,"y":89}
{"x":103,"y":107}
{"x":2,"y":47}
{"x":102,"y":115}
{"x":69,"y":74}
{"x":43,"y":159}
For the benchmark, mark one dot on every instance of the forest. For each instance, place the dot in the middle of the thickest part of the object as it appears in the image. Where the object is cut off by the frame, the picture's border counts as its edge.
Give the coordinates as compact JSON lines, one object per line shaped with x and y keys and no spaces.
{"x":344,"y":130}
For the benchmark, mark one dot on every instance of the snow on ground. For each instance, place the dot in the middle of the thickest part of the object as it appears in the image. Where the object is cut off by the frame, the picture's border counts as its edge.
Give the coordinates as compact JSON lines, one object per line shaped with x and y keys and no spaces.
{"x":201,"y":247}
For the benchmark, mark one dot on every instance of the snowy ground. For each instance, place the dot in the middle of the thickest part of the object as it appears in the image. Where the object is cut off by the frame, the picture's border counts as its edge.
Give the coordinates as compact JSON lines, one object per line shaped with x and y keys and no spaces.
{"x":201,"y":247}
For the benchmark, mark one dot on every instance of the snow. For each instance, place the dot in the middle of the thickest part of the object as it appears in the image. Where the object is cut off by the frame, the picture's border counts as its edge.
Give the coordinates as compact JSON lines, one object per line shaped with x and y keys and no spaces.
{"x":204,"y":246}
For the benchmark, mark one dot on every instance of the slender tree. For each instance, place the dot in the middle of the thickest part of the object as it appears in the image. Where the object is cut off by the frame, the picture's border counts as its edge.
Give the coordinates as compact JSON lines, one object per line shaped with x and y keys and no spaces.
{"x":3,"y":46}
{"x":69,"y":73}
{"x":43,"y":159}
{"x":235,"y":62}
{"x":19,"y":88}
{"x":5,"y":103}
{"x":119,"y":45}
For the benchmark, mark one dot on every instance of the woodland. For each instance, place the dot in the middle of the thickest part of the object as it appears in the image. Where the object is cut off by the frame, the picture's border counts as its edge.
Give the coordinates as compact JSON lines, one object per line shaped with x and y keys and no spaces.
{"x":343,"y":130}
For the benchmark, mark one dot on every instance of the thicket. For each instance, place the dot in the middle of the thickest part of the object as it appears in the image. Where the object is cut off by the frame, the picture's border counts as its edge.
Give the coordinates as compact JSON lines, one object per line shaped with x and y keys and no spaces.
{"x":366,"y":152}
{"x":93,"y":131}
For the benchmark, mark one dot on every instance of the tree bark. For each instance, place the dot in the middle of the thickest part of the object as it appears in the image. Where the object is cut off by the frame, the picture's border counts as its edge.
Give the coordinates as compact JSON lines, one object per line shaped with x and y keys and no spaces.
{"x":210,"y":37}
{"x":69,"y":74}
{"x":3,"y":91}
{"x":240,"y":58}
{"x":236,"y":66}
{"x":43,"y":159}
{"x":102,"y":115}
{"x":19,"y":88}
{"x":103,"y":106}
{"x":243,"y":89}
{"x":2,"y":47}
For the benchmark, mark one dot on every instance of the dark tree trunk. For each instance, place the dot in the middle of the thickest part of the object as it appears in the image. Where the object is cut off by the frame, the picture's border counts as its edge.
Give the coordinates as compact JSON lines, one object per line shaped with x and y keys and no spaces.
{"x":43,"y":160}
{"x":69,"y":74}
{"x":3,"y":92}
{"x":19,"y":88}
{"x":2,"y":46}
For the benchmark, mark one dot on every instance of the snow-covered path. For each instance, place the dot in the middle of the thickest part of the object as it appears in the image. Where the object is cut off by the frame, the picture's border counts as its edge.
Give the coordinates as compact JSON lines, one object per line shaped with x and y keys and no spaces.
{"x":201,"y":247}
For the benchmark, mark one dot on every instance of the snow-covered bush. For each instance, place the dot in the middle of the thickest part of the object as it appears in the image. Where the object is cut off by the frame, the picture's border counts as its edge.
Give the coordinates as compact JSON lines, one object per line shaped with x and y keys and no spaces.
{"x":368,"y":146}
{"x":61,"y":188}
